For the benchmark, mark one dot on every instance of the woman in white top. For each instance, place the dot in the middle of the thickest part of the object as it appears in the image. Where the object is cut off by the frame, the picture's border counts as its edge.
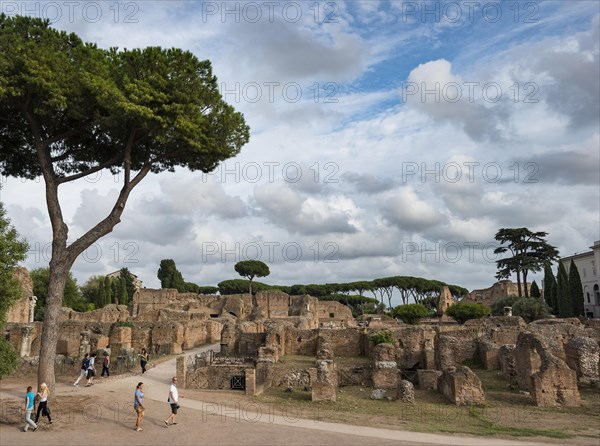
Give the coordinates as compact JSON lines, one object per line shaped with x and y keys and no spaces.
{"x":43,"y":404}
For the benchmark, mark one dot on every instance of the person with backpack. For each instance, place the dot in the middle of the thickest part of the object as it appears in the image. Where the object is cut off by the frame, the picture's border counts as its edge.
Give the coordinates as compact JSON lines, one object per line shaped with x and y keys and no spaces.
{"x":91,"y":371}
{"x":83,"y":371}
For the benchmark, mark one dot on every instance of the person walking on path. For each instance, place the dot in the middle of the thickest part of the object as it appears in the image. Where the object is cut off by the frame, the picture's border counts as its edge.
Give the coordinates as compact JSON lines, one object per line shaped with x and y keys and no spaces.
{"x":138,"y":406}
{"x":91,"y":370}
{"x":105,"y":366}
{"x":43,"y":404}
{"x":173,"y":401}
{"x":144,"y":357}
{"x":29,"y":403}
{"x":84,"y":365}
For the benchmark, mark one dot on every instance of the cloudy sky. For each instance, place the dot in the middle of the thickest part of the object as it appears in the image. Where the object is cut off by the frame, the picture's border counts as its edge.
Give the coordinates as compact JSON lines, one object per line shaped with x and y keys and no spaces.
{"x":387,"y":138}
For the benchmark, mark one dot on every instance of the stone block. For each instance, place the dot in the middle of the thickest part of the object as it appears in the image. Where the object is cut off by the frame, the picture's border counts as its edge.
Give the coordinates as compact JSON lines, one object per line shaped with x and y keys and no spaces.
{"x":378,"y":394}
{"x":405,"y":392}
{"x":461,"y":386}
{"x":428,"y":379}
{"x":555,"y":384}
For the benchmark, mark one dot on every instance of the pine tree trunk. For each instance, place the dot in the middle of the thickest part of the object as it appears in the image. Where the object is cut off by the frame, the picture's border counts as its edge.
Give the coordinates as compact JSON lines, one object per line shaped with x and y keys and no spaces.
{"x":519,"y":283}
{"x":58,"y":277}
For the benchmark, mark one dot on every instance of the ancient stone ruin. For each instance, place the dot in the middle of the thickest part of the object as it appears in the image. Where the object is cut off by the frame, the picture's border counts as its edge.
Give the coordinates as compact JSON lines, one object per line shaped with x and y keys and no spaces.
{"x":548,"y":359}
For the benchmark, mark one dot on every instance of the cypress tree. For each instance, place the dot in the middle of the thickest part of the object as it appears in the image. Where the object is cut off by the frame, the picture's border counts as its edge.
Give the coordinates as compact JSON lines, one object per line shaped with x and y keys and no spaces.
{"x":565,"y":304}
{"x":535,"y":290}
{"x":115,"y":290}
{"x":575,"y":290}
{"x":124,"y":298}
{"x":108,"y":290}
{"x":101,"y":294}
{"x":550,"y":289}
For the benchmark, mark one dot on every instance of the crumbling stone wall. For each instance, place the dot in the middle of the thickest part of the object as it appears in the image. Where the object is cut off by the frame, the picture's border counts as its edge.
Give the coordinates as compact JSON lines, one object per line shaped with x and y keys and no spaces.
{"x":346,"y":342}
{"x":335,"y":313}
{"x":107,"y":315}
{"x":527,"y":357}
{"x":19,"y":312}
{"x":555,"y":384}
{"x":583,"y":356}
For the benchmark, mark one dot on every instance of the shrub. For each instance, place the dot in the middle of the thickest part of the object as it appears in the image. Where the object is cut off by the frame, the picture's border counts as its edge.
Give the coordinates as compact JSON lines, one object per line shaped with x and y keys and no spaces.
{"x":9,"y":359}
{"x":530,"y":309}
{"x":382,"y":337}
{"x":462,"y":311}
{"x":411,"y":313}
{"x":125,"y":324}
{"x":498,"y":306}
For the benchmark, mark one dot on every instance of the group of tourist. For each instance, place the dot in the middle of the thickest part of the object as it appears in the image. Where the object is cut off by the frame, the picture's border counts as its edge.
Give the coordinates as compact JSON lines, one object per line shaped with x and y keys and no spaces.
{"x":88,"y":369}
{"x":42,"y":409}
{"x":138,"y":405}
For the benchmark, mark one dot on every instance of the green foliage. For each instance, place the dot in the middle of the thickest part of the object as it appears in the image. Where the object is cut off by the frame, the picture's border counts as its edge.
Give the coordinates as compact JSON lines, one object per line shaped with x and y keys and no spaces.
{"x":91,"y":290}
{"x":382,"y":337}
{"x":565,"y":304}
{"x":576,"y":290}
{"x":102,"y":301}
{"x":251,"y":269}
{"x":129,"y":282}
{"x":190,"y":287}
{"x":154,"y":106}
{"x":240,"y":286}
{"x":535,"y":290}
{"x":550,"y":289}
{"x":12,"y":251}
{"x":108,"y":290}
{"x":530,"y":309}
{"x":411,"y":313}
{"x":9,"y":359}
{"x":169,"y":276}
{"x":125,"y":324}
{"x":529,"y":252}
{"x":208,"y":290}
{"x":72,"y":297}
{"x":123,"y":295}
{"x":463,"y":311}
{"x":497,"y":308}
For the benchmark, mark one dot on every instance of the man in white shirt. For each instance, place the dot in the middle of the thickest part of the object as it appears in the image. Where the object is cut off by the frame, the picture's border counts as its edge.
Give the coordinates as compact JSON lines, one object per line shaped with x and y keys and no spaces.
{"x":173,"y":401}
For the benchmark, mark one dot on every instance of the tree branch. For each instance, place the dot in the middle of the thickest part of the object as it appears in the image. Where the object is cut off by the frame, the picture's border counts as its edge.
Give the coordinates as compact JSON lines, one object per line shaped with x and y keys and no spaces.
{"x":107,"y":224}
{"x":85,"y":173}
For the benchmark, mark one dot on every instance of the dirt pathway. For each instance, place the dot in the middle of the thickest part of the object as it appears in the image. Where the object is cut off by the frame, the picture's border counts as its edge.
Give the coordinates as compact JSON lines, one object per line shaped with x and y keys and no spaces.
{"x":106,"y":418}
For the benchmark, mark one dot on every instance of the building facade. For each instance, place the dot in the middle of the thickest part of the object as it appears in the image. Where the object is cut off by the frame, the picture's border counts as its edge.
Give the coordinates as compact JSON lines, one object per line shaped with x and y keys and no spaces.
{"x":588,"y":263}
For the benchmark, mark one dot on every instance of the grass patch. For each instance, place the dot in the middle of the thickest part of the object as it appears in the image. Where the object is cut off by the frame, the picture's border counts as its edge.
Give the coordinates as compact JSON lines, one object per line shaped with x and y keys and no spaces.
{"x":507,"y":412}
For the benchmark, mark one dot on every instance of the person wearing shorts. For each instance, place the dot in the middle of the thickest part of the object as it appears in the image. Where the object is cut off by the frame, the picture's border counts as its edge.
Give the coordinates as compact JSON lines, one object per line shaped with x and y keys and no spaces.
{"x":173,"y":401}
{"x":138,"y":406}
{"x":91,"y":370}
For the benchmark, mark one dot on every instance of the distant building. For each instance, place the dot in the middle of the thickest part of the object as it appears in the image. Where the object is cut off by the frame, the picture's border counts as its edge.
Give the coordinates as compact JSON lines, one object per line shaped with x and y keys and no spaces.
{"x":136,"y":281}
{"x":587,"y":264}
{"x":500,"y":289}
